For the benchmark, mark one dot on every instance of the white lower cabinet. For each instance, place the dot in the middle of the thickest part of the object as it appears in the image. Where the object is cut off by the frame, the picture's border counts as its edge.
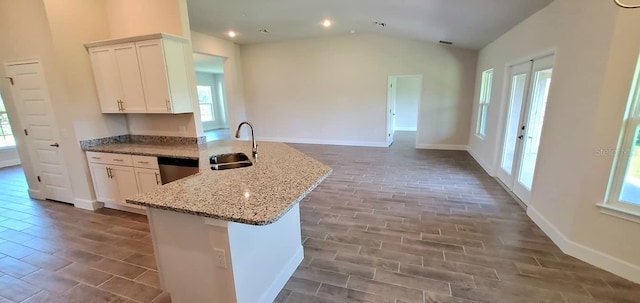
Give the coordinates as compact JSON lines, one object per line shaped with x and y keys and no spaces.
{"x":105,"y":187}
{"x":148,"y":179}
{"x":117,"y":177}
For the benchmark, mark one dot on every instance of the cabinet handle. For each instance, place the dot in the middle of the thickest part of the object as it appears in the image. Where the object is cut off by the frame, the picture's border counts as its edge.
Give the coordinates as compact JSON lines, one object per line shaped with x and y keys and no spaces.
{"x":119,"y":106}
{"x":143,"y":162}
{"x":168,"y":105}
{"x":118,"y":160}
{"x":157,"y":181}
{"x":96,"y":158}
{"x":122,"y":105}
{"x":109,"y":175}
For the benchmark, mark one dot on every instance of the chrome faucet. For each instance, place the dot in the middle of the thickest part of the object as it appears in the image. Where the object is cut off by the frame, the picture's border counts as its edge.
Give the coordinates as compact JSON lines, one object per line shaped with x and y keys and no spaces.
{"x":254,"y":152}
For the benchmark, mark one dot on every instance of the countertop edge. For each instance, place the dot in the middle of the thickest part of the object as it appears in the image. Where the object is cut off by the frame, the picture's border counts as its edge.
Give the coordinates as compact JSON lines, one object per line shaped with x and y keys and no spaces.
{"x":136,"y":153}
{"x":237,"y":220}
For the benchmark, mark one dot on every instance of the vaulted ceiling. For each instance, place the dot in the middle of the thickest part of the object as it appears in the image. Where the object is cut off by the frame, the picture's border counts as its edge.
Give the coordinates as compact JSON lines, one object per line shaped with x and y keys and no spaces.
{"x":467,"y":23}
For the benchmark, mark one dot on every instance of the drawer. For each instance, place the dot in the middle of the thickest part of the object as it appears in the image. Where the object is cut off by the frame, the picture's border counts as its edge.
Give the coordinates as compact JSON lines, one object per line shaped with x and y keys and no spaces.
{"x":95,"y":157}
{"x":145,"y":162}
{"x":109,"y":158}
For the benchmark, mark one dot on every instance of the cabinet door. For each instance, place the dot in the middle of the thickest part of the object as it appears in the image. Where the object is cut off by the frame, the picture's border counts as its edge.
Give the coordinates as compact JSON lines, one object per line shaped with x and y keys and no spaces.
{"x":106,"y":75}
{"x":132,"y":95}
{"x":105,"y":187}
{"x":148,"y":179}
{"x":125,"y":179}
{"x":154,"y":76}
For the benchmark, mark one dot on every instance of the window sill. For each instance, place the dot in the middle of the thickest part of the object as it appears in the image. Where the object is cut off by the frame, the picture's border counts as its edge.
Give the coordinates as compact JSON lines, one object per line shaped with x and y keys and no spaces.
{"x":619,"y":212}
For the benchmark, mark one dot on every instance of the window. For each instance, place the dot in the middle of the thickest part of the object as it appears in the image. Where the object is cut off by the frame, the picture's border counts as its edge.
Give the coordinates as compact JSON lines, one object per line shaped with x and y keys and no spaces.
{"x":485,"y":98}
{"x":206,"y":103}
{"x":624,"y":187}
{"x":6,"y":136}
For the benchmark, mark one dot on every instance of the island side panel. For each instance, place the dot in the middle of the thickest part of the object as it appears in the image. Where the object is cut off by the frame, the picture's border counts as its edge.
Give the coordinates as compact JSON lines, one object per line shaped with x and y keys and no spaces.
{"x":265,"y":257}
{"x":184,"y":247}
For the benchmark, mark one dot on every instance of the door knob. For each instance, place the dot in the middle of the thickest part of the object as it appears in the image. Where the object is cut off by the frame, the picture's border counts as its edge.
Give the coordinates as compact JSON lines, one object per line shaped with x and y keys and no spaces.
{"x":55,"y":144}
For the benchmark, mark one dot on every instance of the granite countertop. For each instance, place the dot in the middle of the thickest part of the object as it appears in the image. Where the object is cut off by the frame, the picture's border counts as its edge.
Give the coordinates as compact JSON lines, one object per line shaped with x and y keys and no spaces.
{"x":184,"y":151}
{"x":256,"y":195}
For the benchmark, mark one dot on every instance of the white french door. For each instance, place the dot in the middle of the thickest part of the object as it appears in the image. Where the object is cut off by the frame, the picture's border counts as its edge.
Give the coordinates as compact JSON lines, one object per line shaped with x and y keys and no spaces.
{"x":36,"y":117}
{"x":528,"y":92}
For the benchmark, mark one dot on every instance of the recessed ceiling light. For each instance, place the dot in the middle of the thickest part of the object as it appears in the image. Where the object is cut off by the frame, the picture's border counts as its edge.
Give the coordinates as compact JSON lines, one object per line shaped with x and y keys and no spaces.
{"x":326,"y":22}
{"x":231,"y":34}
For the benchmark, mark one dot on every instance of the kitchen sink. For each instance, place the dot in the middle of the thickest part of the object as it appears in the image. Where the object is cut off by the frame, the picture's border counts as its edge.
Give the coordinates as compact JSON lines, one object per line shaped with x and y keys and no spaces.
{"x":228,"y":158}
{"x":229,"y":161}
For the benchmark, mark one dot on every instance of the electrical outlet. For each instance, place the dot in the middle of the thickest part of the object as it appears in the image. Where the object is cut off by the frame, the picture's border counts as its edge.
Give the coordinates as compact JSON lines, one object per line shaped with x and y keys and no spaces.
{"x":221,"y":259}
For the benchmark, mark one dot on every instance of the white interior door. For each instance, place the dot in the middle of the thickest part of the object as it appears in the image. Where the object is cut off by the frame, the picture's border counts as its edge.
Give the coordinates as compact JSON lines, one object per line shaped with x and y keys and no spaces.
{"x":36,"y":117}
{"x":524,"y":126}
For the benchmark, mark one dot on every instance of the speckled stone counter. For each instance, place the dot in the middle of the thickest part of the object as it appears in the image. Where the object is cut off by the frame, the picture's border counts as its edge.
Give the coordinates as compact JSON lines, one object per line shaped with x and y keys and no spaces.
{"x":256,"y":195}
{"x":184,"y":151}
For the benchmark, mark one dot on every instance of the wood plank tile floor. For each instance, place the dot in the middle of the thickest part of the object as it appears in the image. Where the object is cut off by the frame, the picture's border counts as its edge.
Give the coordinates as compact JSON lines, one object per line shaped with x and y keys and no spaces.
{"x":389,"y":225}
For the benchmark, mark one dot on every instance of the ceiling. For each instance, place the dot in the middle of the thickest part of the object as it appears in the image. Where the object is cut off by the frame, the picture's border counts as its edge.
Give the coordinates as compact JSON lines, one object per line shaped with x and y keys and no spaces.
{"x":467,"y":23}
{"x":208,"y":64}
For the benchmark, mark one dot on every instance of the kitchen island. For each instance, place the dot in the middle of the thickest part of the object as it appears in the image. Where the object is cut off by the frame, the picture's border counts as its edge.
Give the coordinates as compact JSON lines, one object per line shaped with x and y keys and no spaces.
{"x":231,"y":235}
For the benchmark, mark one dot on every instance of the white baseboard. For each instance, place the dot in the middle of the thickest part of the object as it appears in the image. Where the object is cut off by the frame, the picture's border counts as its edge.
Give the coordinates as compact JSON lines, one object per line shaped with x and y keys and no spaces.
{"x":11,"y":162}
{"x":282,"y":278}
{"x":87,"y":204}
{"x":132,"y":208}
{"x":599,"y":259}
{"x":326,"y":142}
{"x":441,"y":146}
{"x":484,"y":165}
{"x":36,"y":194}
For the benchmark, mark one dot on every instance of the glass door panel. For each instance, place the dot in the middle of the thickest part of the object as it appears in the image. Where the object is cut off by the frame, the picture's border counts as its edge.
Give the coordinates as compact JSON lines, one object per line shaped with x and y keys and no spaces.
{"x":537,"y":106}
{"x":518,"y":89}
{"x":517,"y":95}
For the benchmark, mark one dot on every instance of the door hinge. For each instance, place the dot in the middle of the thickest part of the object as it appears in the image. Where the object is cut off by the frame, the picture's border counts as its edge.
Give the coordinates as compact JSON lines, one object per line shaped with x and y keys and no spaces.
{"x":10,"y":79}
{"x":39,"y":180}
{"x":26,"y":133}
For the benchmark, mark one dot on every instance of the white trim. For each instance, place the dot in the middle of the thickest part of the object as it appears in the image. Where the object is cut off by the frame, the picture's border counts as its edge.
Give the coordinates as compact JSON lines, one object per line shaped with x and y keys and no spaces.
{"x":619,"y":212}
{"x":132,"y":208}
{"x":599,"y":259}
{"x":405,"y":129}
{"x":36,"y":194}
{"x":326,"y":142}
{"x":482,"y":163}
{"x":10,"y":162}
{"x":442,"y":146}
{"x":87,"y":204}
{"x":282,"y":278}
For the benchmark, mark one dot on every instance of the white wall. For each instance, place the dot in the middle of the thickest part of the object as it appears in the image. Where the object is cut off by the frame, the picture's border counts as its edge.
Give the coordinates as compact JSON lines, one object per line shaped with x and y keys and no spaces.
{"x":9,"y":157}
{"x":233,"y":82}
{"x":407,"y":101}
{"x":334,"y":89}
{"x":596,"y":47}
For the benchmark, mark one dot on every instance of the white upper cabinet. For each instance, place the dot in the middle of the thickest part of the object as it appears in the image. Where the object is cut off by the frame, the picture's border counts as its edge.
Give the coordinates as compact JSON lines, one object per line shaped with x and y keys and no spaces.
{"x":145,"y":74}
{"x":132,"y":94}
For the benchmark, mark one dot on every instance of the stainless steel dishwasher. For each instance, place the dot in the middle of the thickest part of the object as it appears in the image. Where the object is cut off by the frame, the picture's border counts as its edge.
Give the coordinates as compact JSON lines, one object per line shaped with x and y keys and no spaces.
{"x":172,"y":169}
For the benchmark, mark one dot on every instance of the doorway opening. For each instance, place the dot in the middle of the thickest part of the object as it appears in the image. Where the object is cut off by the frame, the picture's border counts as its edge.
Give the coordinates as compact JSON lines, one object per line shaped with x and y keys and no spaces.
{"x":403,"y":106}
{"x":529,"y":84}
{"x":212,"y":96}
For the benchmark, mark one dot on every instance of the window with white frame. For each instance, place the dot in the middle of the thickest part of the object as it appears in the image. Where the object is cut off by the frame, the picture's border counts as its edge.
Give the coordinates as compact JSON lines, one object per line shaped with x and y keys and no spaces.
{"x":206,"y":103}
{"x":624,"y":187}
{"x":6,"y":135}
{"x":485,"y":99}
